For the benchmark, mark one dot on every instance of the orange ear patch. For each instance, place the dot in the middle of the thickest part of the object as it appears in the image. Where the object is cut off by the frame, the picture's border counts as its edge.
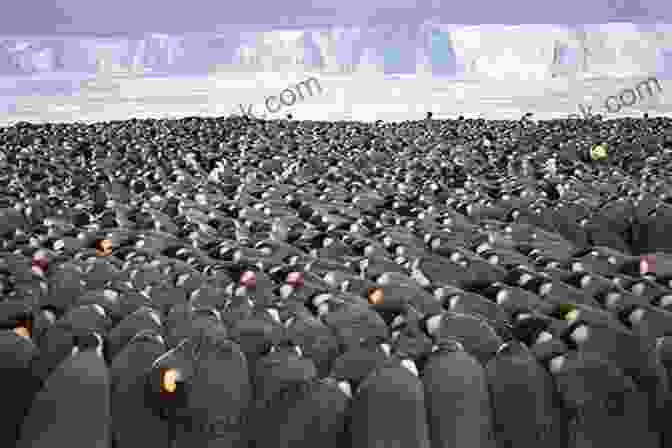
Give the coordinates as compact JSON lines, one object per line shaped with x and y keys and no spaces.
{"x":169,"y":379}
{"x":103,"y":248}
{"x":22,"y":331}
{"x":376,"y":296}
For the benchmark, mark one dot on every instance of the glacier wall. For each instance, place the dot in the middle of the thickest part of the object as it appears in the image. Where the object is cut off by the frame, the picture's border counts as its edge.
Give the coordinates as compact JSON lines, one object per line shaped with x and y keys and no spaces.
{"x":431,"y":48}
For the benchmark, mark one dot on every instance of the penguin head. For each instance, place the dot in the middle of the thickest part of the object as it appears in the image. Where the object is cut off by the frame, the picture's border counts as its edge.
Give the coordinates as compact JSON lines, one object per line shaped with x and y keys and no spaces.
{"x":320,"y":304}
{"x":576,"y":335}
{"x":631,"y":315}
{"x":410,"y":365}
{"x":431,"y":324}
{"x":148,"y":335}
{"x":531,"y":329}
{"x":87,"y":342}
{"x":343,"y":385}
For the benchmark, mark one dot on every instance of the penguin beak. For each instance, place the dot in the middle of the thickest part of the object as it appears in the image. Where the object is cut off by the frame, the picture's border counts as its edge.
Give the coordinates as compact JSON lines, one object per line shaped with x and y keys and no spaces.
{"x":557,"y":363}
{"x":502,"y":296}
{"x":49,"y":315}
{"x":433,"y":324}
{"x":612,"y":299}
{"x":181,"y":279}
{"x":638,"y":289}
{"x":419,"y":277}
{"x":544,"y":336}
{"x":155,"y":317}
{"x":410,"y":365}
{"x":274,"y":314}
{"x":666,"y":301}
{"x":636,"y":316}
{"x":580,"y":334}
{"x":345,"y":387}
{"x":585,"y":281}
{"x":288,"y":323}
{"x":398,"y":321}
{"x":286,"y":291}
{"x":453,"y":301}
{"x":330,"y":279}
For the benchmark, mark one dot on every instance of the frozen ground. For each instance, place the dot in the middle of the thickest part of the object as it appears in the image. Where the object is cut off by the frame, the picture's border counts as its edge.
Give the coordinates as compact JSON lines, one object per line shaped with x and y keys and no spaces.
{"x":361,"y":97}
{"x":493,"y":71}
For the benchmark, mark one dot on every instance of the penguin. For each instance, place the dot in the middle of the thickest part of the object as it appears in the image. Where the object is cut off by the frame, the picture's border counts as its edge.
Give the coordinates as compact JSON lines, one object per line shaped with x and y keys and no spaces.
{"x":217,"y":396}
{"x":315,"y":339}
{"x":319,"y":413}
{"x":129,"y":408}
{"x":352,"y":366}
{"x":281,"y":378}
{"x":398,"y":290}
{"x":256,"y":335}
{"x":350,"y":322}
{"x":601,"y":260}
{"x":208,"y":296}
{"x":391,"y":386}
{"x":57,"y":341}
{"x":524,"y":400}
{"x":635,"y":356}
{"x":144,"y":318}
{"x":65,"y":284}
{"x":17,"y":351}
{"x":602,"y":406}
{"x":463,"y":302}
{"x":77,"y":391}
{"x":407,"y":336}
{"x":474,"y":333}
{"x":457,"y":398}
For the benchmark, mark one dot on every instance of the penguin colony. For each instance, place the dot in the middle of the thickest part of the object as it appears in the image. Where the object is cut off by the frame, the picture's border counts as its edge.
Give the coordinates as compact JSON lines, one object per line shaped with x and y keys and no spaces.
{"x":234,"y":282}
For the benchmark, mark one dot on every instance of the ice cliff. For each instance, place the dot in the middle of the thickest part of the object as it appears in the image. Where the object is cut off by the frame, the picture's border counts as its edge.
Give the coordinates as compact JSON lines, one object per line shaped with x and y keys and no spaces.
{"x":529,"y":52}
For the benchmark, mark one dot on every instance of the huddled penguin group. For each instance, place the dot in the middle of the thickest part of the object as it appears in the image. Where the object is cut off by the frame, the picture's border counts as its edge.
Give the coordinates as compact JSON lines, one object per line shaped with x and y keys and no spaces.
{"x":242,"y":283}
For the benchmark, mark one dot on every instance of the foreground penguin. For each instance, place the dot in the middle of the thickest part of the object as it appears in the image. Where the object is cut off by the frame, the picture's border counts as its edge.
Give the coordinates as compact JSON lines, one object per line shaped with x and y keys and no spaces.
{"x":73,"y":407}
{"x":457,"y":398}
{"x":388,"y":410}
{"x":318,"y":417}
{"x":524,"y":400}
{"x":635,"y":356}
{"x":281,"y":378}
{"x":16,"y":353}
{"x":129,"y":407}
{"x":202,"y":386}
{"x":603,"y":407}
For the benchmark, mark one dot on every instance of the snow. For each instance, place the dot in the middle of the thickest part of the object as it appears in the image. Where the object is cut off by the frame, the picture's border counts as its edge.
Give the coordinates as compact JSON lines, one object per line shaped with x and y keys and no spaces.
{"x":443,"y":67}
